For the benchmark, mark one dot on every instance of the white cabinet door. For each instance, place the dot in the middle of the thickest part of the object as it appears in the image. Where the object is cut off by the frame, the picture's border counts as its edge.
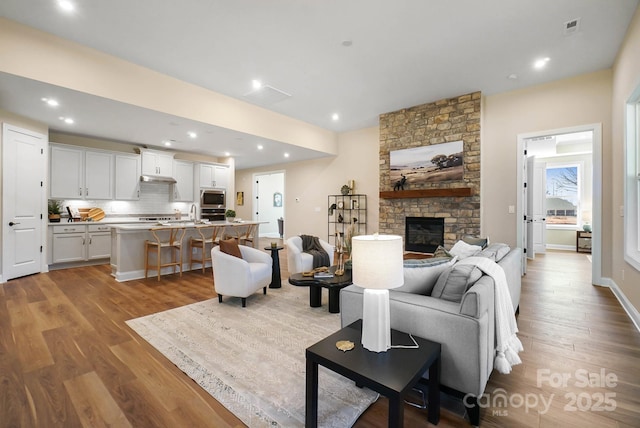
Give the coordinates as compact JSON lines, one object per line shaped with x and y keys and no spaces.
{"x":221,"y":177}
{"x":165,"y":165}
{"x":207,"y":175}
{"x":98,"y":177}
{"x":66,"y":173}
{"x":157,"y":163}
{"x":183,"y":189}
{"x":99,"y":245}
{"x":69,"y":247}
{"x":127,"y":177}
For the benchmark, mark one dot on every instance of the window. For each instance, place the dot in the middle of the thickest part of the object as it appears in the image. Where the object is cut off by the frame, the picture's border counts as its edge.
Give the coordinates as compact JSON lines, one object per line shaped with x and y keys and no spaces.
{"x":632,"y":181}
{"x":563,"y":195}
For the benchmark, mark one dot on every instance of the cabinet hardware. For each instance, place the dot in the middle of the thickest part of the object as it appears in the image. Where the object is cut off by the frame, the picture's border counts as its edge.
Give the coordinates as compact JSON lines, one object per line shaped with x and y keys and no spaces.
{"x":12,"y":223}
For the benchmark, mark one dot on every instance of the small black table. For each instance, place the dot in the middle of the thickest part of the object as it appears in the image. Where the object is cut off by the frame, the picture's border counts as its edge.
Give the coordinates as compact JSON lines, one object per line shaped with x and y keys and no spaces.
{"x":275,"y":272}
{"x":392,"y":373}
{"x":334,"y":285}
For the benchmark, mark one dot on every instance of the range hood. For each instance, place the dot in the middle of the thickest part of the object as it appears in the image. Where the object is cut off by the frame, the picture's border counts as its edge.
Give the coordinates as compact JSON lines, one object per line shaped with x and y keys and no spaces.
{"x":157,"y":179}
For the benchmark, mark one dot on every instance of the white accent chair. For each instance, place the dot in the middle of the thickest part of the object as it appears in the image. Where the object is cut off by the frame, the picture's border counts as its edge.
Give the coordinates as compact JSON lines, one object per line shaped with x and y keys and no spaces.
{"x":298,"y":261}
{"x":237,"y":277}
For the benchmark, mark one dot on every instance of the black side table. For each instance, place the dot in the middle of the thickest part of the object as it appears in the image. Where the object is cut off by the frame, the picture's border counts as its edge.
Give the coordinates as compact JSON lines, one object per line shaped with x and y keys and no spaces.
{"x":392,"y":373}
{"x":275,"y":273}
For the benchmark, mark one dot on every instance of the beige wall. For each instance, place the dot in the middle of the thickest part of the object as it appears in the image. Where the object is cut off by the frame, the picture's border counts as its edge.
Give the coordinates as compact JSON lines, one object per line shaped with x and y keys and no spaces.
{"x":580,"y":100}
{"x":626,"y":77}
{"x":312,"y":181}
{"x":23,"y":51}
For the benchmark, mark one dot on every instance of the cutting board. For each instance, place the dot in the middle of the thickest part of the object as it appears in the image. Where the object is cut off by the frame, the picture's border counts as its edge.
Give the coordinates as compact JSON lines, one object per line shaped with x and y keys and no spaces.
{"x":96,"y":214}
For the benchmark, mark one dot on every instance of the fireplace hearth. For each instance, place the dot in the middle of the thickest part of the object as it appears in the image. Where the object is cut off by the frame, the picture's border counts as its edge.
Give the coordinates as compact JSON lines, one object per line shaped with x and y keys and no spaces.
{"x":423,"y":234}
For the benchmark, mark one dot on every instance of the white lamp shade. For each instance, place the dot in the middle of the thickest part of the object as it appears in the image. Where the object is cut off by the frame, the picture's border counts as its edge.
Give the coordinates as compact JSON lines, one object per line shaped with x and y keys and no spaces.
{"x":377,"y":261}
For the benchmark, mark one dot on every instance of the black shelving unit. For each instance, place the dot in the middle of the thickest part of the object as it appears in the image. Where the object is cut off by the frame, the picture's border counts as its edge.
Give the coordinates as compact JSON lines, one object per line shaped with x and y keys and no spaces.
{"x":347,"y":210}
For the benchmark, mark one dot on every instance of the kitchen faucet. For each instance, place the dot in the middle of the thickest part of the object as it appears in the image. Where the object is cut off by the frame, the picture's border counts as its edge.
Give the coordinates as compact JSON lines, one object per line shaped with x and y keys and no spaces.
{"x":193,"y":213}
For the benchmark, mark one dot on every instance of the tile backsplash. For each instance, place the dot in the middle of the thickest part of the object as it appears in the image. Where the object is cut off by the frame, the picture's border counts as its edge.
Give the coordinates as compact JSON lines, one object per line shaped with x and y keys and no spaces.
{"x":154,"y":200}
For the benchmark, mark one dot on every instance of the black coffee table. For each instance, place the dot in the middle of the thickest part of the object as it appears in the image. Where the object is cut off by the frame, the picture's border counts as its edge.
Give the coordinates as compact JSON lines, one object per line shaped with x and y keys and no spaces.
{"x":392,"y":373}
{"x":334,"y":285}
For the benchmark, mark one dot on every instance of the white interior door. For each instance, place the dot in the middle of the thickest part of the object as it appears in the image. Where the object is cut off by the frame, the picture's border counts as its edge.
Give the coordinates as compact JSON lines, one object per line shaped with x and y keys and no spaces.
{"x":23,"y":175}
{"x":528,"y":208}
{"x":539,"y":192}
{"x":269,"y":204}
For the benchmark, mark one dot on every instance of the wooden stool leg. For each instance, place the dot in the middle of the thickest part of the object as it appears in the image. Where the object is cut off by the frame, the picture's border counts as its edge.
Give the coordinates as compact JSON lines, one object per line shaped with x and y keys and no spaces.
{"x":146,"y":259}
{"x":159,"y":261}
{"x":204,"y":246}
{"x":179,"y":249}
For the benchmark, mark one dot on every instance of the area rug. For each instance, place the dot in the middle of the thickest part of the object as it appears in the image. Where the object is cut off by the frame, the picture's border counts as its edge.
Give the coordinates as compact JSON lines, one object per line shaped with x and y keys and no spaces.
{"x":252,"y":360}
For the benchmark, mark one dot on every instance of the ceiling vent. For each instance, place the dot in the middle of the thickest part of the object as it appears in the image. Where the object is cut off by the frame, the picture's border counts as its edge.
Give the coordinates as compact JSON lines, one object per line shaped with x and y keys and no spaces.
{"x":571,"y":27}
{"x":266,"y":96}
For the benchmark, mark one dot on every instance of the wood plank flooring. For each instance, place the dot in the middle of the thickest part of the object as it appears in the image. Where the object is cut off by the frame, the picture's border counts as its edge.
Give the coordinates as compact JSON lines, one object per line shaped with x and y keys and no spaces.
{"x":67,"y":358}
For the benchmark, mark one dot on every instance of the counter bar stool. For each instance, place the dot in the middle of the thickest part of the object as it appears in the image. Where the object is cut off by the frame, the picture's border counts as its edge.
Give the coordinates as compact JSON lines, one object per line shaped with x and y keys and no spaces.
{"x":245,"y":235}
{"x":208,"y":235}
{"x":174,"y":237}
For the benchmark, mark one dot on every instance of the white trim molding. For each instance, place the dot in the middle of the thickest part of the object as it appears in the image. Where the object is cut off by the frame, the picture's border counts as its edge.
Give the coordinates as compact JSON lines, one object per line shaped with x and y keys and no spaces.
{"x":626,"y":304}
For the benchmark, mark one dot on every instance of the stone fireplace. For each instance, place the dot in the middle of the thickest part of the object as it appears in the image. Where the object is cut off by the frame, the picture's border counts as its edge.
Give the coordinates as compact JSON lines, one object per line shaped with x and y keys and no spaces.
{"x":456,"y":202}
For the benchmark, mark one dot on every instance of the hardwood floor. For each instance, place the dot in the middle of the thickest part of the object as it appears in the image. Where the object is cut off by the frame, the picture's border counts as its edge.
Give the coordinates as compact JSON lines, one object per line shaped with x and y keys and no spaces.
{"x":67,"y":358}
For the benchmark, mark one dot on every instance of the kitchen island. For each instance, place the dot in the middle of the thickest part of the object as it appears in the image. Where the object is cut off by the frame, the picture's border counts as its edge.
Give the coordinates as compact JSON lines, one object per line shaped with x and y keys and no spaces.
{"x":127,"y":245}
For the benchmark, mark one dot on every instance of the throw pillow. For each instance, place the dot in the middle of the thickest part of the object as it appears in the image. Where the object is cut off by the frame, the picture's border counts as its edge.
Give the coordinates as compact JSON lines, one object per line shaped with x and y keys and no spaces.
{"x":464,"y":250}
{"x":453,"y":283}
{"x":472,"y":240}
{"x":441,"y":252}
{"x":495,"y":252}
{"x":421,"y":275}
{"x":230,"y":246}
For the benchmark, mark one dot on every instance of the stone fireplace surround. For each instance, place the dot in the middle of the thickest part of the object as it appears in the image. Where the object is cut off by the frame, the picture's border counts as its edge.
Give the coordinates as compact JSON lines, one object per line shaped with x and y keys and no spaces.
{"x":442,"y":121}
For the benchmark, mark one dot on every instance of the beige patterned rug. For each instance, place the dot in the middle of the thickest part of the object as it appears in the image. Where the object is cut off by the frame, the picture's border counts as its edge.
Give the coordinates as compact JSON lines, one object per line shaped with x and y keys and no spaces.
{"x":252,"y":360}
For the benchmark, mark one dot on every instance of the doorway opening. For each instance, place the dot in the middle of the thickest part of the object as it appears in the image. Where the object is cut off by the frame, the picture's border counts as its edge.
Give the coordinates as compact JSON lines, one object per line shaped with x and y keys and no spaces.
{"x":560,"y":173}
{"x":269,"y":203}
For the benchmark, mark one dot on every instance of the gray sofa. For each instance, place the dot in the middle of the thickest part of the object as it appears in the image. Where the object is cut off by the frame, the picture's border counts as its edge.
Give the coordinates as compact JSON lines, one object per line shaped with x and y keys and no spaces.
{"x":465,"y":329}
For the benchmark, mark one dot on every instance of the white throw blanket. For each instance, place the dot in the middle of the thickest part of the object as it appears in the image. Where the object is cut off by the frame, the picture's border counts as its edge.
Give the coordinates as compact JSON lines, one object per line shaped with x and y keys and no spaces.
{"x":507,"y":343}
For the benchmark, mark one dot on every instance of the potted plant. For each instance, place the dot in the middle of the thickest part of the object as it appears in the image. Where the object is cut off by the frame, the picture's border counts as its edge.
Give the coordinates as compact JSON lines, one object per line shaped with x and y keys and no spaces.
{"x":230,"y":215}
{"x":54,"y":211}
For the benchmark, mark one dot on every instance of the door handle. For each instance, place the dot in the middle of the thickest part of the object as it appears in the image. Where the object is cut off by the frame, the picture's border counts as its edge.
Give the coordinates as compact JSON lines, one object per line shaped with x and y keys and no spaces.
{"x":12,"y":223}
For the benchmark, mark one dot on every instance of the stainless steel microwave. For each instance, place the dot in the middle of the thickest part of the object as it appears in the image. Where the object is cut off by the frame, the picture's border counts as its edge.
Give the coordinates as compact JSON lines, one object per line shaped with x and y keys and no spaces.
{"x":212,"y":198}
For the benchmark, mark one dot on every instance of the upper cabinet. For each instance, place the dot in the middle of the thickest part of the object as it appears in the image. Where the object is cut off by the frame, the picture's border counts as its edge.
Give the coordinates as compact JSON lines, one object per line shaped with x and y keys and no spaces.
{"x":127,"y":177}
{"x":157,"y":163}
{"x":77,"y":173}
{"x":183,"y":188}
{"x":213,"y":176}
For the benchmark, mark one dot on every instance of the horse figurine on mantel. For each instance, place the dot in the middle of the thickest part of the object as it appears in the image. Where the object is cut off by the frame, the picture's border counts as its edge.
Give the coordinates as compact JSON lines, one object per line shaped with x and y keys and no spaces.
{"x":400,"y":183}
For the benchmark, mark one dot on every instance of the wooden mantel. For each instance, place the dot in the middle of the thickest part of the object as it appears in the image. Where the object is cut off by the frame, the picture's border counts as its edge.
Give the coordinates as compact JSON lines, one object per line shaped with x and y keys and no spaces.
{"x":427,"y":193}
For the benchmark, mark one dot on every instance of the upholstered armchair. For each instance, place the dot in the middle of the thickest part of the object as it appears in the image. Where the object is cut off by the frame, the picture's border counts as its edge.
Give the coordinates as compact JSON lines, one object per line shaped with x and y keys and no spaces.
{"x":240,"y":277}
{"x":299,"y":261}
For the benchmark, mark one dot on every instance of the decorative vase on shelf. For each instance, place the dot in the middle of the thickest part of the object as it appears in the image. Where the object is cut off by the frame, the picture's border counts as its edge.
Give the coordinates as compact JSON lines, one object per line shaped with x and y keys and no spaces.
{"x":345,"y":190}
{"x":586,"y":227}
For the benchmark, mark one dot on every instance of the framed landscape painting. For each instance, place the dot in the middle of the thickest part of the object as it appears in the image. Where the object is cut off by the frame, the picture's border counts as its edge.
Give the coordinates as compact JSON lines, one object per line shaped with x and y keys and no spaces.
{"x":427,"y":164}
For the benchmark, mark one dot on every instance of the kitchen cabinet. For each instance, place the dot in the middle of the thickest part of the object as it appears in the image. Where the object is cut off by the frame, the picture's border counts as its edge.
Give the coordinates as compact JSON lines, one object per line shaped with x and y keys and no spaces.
{"x":77,"y":173}
{"x":183,"y":188}
{"x":213,"y":176}
{"x":79,"y":243}
{"x":127,"y":177}
{"x":157,"y":163}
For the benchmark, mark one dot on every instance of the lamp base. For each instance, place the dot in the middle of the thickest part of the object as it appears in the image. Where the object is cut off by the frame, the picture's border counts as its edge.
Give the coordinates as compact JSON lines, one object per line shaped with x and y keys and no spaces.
{"x":376,"y":323}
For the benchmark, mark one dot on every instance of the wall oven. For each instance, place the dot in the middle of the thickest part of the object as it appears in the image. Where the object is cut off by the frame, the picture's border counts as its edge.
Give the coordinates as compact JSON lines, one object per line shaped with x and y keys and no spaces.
{"x":212,"y":204}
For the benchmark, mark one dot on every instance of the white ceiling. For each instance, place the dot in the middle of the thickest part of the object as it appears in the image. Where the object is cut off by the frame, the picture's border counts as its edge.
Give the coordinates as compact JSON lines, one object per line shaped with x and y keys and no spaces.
{"x":403,"y":53}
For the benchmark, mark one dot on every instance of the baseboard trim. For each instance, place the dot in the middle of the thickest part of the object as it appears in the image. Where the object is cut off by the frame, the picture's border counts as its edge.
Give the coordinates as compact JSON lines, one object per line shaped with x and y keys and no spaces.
{"x":561,"y":247}
{"x":628,"y":307}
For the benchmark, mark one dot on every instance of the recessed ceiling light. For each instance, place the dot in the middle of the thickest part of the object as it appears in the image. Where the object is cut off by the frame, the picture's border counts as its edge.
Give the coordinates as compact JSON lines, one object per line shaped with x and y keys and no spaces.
{"x":192,"y":134}
{"x":227,"y":154}
{"x":256,"y":84}
{"x":541,"y":63}
{"x":286,"y":155}
{"x":66,"y":5}
{"x":335,"y":116}
{"x":66,"y":120}
{"x":260,"y":147}
{"x":167,"y":143}
{"x":51,"y":102}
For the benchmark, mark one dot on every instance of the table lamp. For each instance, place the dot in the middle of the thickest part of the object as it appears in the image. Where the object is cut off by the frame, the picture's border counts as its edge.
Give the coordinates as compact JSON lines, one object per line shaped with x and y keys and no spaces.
{"x":377,"y":267}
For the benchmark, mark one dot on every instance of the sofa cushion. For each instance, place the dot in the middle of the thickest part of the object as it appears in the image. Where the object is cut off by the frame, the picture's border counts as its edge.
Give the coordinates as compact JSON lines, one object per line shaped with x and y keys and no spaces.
{"x":464,"y":250}
{"x":454,"y":282}
{"x":472,"y":240}
{"x":421,"y":275}
{"x":495,"y":252}
{"x":442,"y":252}
{"x":230,"y":246}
